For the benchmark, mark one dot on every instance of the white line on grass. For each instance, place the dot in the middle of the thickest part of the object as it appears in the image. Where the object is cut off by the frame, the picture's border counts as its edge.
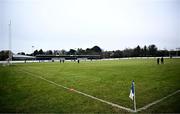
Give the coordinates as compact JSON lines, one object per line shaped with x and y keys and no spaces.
{"x":104,"y":101}
{"x":157,"y":101}
{"x":82,"y":93}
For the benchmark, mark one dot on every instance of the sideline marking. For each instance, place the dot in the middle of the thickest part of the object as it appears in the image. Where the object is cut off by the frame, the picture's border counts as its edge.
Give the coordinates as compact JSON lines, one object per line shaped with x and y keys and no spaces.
{"x":157,"y":101}
{"x":101,"y":100}
{"x":82,"y":93}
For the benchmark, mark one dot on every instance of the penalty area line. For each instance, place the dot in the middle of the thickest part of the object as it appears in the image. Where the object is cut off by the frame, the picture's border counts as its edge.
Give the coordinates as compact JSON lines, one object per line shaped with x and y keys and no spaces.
{"x":79,"y":92}
{"x":157,"y":101}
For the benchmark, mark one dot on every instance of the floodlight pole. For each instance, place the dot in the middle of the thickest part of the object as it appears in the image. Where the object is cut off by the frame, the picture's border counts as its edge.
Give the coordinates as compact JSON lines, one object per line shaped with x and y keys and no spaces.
{"x":10,"y":57}
{"x":177,"y":49}
{"x":32,"y":50}
{"x":134,"y":99}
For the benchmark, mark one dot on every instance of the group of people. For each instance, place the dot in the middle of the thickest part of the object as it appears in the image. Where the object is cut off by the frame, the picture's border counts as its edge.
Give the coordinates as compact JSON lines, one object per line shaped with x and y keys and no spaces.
{"x":62,"y":60}
{"x":160,"y":59}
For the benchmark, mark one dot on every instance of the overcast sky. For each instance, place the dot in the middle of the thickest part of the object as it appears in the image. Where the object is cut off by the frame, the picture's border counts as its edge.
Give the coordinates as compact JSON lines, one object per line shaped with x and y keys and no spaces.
{"x":110,"y":24}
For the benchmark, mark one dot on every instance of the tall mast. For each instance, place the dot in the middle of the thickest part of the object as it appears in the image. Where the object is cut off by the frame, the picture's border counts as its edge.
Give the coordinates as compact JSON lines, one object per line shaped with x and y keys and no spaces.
{"x":10,"y":54}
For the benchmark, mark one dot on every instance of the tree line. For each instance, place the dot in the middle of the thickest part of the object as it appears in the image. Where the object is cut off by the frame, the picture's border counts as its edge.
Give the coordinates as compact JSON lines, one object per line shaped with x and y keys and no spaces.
{"x":96,"y":50}
{"x":146,"y":51}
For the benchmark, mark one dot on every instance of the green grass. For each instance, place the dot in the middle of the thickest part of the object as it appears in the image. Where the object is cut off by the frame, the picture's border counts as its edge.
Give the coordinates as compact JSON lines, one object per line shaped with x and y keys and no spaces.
{"x":108,"y":80}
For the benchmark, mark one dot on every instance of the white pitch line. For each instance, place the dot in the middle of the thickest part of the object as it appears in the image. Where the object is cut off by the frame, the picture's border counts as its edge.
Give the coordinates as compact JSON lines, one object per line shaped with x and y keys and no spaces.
{"x":157,"y":101}
{"x":82,"y":93}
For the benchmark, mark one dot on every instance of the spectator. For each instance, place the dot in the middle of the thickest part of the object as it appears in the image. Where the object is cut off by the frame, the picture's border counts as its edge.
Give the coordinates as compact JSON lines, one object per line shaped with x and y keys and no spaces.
{"x":157,"y":60}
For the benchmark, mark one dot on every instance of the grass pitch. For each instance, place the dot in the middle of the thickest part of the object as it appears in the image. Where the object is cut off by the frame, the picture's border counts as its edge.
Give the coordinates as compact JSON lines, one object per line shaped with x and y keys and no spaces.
{"x":108,"y":80}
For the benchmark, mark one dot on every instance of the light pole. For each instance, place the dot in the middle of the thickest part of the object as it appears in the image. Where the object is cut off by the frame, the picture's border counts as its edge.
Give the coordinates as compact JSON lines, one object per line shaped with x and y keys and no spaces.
{"x":32,"y":50}
{"x":177,"y":49}
{"x":10,"y":54}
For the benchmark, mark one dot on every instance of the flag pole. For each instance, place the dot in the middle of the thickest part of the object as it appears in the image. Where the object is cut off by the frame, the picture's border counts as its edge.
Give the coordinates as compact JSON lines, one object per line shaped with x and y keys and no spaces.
{"x":134,"y":99}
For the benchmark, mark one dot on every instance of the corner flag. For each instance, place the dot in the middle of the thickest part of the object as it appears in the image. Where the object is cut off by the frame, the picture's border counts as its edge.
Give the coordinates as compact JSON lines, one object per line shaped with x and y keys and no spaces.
{"x":131,"y":95}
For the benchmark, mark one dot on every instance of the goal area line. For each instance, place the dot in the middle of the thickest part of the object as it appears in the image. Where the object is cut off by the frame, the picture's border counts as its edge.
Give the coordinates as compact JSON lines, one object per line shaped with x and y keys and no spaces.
{"x":101,"y":100}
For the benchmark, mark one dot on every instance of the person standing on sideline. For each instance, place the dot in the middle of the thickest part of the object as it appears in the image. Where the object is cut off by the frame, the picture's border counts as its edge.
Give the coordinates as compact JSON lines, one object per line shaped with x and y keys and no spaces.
{"x":157,"y":60}
{"x":162,"y":60}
